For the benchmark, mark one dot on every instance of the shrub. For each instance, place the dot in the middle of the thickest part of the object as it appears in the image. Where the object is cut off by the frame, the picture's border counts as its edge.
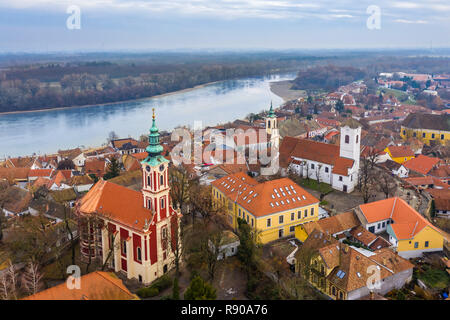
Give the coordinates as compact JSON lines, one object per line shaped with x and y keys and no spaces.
{"x":148,"y":292}
{"x":162,"y":283}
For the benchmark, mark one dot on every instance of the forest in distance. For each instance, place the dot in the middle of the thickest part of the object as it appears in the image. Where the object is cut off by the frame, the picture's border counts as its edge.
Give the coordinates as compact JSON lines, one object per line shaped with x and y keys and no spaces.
{"x":34,"y":82}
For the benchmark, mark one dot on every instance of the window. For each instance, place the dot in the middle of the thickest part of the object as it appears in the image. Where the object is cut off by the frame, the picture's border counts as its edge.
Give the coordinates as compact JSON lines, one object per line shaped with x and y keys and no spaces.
{"x":268,"y":222}
{"x":427,"y":244}
{"x":299,"y":215}
{"x":291,"y":229}
{"x":149,"y":204}
{"x":340,"y":178}
{"x":162,"y":203}
{"x":357,"y":138}
{"x":341,"y":295}
{"x":379,"y":226}
{"x":124,"y":247}
{"x":292,"y":216}
{"x":280,"y":233}
{"x":347,"y":139}
{"x":404,"y":132}
{"x":161,"y":180}
{"x":432,"y":136}
{"x":424,"y":135}
{"x":164,"y":233}
{"x":416,"y":245}
{"x":280,"y":219}
{"x":326,"y":169}
{"x":384,"y":224}
{"x":312,"y":211}
{"x":140,"y":278}
{"x":252,"y":222}
{"x":333,"y":291}
{"x":139,"y":254}
{"x":414,"y":134}
{"x":312,"y":165}
{"x":149,"y":181}
{"x":239,"y":212}
{"x":306,"y":213}
{"x":442,"y":137}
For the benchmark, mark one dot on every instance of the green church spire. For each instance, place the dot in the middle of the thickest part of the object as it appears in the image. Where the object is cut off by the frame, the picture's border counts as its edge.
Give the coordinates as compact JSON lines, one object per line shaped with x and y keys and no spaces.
{"x":154,"y":149}
{"x":271,"y":112}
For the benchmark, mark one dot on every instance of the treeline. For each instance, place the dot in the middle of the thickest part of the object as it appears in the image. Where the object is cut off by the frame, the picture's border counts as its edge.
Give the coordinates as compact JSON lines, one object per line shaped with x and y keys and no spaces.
{"x":19,"y":91}
{"x":326,"y":77}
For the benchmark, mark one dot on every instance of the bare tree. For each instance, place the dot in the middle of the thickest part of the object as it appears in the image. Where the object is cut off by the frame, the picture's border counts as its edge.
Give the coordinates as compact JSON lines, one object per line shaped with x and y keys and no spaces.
{"x":387,"y":185}
{"x":31,"y":279}
{"x":179,"y":187}
{"x":366,"y":180}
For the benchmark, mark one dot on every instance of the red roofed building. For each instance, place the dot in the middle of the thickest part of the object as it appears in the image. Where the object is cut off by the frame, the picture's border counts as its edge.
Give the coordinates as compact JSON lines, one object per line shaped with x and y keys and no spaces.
{"x":337,"y":165}
{"x":421,"y":164}
{"x":133,"y":232}
{"x":409,"y":232}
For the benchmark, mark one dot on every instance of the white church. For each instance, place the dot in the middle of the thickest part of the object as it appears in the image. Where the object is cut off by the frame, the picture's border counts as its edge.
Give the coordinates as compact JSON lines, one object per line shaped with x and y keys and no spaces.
{"x":337,"y":165}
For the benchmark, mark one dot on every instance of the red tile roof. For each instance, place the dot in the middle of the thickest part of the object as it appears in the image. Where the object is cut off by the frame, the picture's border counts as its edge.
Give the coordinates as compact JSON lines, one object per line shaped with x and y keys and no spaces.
{"x":400,"y":151}
{"x":117,"y":203}
{"x":40,"y":173}
{"x":97,"y":285}
{"x":422,"y":164}
{"x":264,"y":198}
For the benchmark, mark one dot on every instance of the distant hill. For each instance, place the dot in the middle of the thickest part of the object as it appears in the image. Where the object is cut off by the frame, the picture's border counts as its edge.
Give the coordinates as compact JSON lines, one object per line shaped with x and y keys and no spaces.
{"x":326,"y":77}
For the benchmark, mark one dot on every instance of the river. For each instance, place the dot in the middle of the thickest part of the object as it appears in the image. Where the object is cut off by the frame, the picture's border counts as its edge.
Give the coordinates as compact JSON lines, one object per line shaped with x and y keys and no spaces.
{"x":49,"y":131}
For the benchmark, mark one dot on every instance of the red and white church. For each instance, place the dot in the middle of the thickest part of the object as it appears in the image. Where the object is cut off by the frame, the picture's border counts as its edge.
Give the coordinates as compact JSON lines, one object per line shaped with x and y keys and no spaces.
{"x":134,"y":232}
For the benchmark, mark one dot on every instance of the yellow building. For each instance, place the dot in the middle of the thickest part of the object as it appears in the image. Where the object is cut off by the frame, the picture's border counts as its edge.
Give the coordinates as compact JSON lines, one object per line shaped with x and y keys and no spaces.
{"x":409,"y":232}
{"x":273,"y":208}
{"x":426,"y":127}
{"x":400,"y":154}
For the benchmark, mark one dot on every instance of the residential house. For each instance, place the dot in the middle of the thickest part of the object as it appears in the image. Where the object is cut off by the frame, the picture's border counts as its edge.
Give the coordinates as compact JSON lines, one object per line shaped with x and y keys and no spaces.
{"x":344,"y":272}
{"x":81,"y":183}
{"x":400,"y":154}
{"x":421,"y":164}
{"x":228,"y":245}
{"x":336,"y":226}
{"x":409,"y":232}
{"x":396,"y":168}
{"x":273,"y":207}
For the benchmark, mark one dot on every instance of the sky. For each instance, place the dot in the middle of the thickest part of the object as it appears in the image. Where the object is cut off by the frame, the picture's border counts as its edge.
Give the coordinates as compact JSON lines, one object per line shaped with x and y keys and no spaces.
{"x":105,"y":25}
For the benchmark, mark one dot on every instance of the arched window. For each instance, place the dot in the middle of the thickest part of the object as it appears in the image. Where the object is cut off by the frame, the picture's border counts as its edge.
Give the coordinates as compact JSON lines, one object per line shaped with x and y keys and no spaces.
{"x":149,"y":181}
{"x":162,"y":203}
{"x":268,"y":124}
{"x":161,"y":180}
{"x":149,"y":204}
{"x":347,"y":139}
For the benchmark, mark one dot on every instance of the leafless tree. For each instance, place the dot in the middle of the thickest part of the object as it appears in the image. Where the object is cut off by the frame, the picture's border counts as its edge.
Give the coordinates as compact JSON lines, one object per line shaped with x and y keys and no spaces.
{"x":366,"y":180}
{"x":387,"y":185}
{"x":31,"y":279}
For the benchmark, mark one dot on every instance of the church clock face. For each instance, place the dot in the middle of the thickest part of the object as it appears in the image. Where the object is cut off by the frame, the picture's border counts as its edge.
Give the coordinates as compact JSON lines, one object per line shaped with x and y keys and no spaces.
{"x":147,"y":168}
{"x":161,"y":167}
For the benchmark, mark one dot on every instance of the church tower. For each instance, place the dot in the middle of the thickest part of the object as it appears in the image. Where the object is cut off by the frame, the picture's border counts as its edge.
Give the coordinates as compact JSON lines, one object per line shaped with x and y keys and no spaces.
{"x":155,"y":175}
{"x":350,"y":140}
{"x":272,"y":127}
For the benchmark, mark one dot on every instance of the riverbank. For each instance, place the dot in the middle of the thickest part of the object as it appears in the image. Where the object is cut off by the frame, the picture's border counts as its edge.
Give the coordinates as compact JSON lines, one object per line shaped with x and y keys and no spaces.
{"x":113,"y":103}
{"x":283,"y":90}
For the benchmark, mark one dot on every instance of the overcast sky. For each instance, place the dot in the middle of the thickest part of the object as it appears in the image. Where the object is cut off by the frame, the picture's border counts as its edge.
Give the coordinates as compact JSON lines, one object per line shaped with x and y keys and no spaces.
{"x":40,"y":25}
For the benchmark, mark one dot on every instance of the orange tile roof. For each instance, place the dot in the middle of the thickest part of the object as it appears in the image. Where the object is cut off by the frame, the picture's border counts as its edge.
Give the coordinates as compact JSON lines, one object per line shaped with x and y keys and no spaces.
{"x":140,"y":156}
{"x":97,"y":285}
{"x":421,"y":164}
{"x":117,"y":203}
{"x":264,"y":198}
{"x":407,"y":222}
{"x":400,"y":151}
{"x":364,"y":236}
{"x":342,"y":165}
{"x":14,"y":173}
{"x":95,"y":166}
{"x":40,"y":172}
{"x":334,"y":224}
{"x":420,"y":181}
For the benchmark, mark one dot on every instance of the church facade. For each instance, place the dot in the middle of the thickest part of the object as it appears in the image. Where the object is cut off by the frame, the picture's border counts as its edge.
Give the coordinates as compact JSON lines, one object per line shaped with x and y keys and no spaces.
{"x":132,"y":232}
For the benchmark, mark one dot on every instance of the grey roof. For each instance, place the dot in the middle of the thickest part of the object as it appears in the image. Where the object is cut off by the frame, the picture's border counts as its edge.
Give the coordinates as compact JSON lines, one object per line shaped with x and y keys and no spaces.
{"x":427,"y":121}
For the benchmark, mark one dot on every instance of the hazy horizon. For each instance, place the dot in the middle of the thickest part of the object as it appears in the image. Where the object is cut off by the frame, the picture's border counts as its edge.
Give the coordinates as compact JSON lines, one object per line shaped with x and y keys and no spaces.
{"x":157,"y":25}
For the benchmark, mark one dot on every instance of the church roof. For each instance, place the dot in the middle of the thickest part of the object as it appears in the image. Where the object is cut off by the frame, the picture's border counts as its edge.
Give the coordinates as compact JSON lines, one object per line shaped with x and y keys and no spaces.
{"x":117,"y":203}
